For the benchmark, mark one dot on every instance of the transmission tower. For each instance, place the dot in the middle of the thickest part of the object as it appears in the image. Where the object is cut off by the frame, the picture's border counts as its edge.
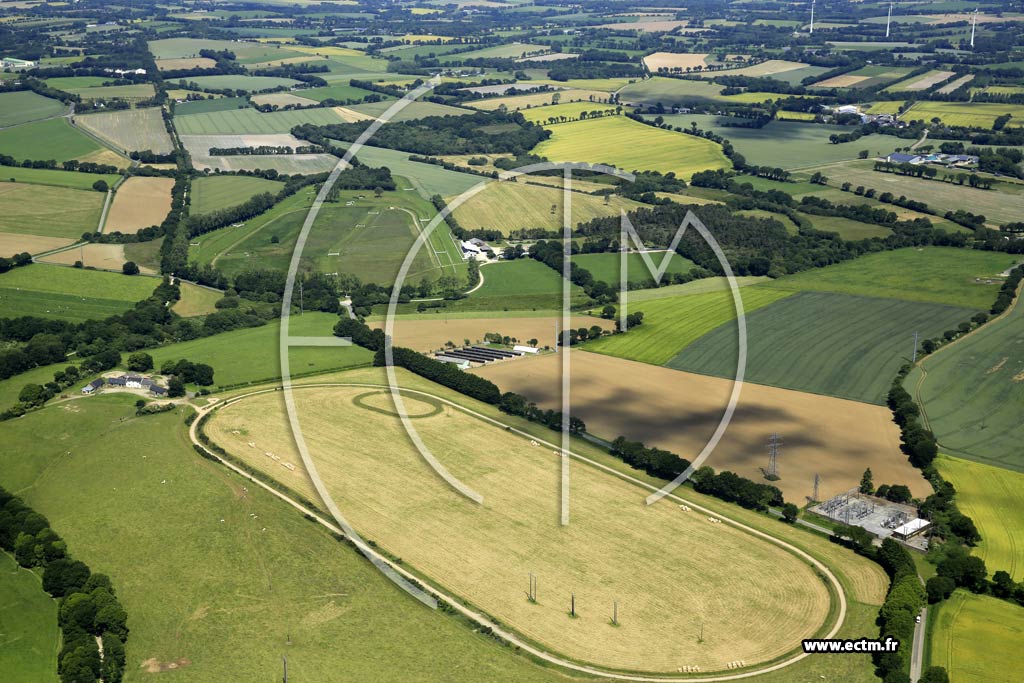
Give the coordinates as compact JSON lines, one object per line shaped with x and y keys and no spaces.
{"x":817,"y":483}
{"x":774,"y":445}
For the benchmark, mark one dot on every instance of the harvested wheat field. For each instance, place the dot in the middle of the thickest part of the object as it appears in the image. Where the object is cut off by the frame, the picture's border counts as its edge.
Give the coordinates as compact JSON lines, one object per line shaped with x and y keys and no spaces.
{"x":185,"y":63}
{"x":101,"y":256}
{"x":433,"y":333}
{"x":756,"y":604}
{"x":139,"y":203}
{"x":282,"y":99}
{"x":679,"y":411}
{"x":351,"y":115}
{"x":683,"y":61}
{"x":13,"y":243}
{"x":841,"y":81}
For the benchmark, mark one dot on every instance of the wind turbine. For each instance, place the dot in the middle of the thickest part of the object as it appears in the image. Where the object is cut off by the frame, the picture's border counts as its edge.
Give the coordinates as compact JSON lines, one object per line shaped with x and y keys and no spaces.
{"x":812,"y":18}
{"x":888,"y":21}
{"x":974,"y":25}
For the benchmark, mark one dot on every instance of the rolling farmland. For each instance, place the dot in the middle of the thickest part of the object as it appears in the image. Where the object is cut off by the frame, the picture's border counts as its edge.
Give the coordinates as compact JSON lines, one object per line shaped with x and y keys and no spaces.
{"x":679,"y":411}
{"x":49,"y":211}
{"x":630,"y":146}
{"x":139,"y":203}
{"x":977,"y":637}
{"x":510,"y":205}
{"x":939,"y":275}
{"x":966,"y":113}
{"x":43,"y":291}
{"x":782,"y":144}
{"x":824,"y":343}
{"x":221,"y":633}
{"x":994,"y":498}
{"x":987,"y":367}
{"x":432,"y":331}
{"x":523,"y":284}
{"x":47,"y":176}
{"x":29,"y":636}
{"x":251,"y":122}
{"x":542,"y":99}
{"x":673,"y":323}
{"x":446,"y":538}
{"x":52,"y":139}
{"x":242,"y":82}
{"x":214,"y":193}
{"x":132,"y":130}
{"x":607,"y":267}
{"x":25,"y":106}
{"x":427,"y":179}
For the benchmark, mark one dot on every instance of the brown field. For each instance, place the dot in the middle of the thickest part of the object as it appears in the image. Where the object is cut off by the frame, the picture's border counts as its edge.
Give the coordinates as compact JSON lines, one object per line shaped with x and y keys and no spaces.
{"x":282,"y":99}
{"x":102,"y":256}
{"x":953,"y":85}
{"x":432,"y":334}
{"x":185,"y":63}
{"x":350,"y":115}
{"x":923,"y":82}
{"x":755,"y":605}
{"x":139,"y":203}
{"x":12,"y":243}
{"x":673,"y":60}
{"x":106,"y":156}
{"x":767,"y":68}
{"x":841,"y":81}
{"x":679,"y":411}
{"x":516,"y":102}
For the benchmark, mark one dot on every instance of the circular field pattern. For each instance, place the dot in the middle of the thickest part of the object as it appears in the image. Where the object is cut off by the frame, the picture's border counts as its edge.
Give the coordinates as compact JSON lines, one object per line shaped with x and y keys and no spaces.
{"x":372,"y":400}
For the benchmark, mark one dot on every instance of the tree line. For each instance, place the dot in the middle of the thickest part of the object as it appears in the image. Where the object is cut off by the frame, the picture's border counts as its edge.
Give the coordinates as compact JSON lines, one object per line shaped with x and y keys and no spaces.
{"x":88,"y":605}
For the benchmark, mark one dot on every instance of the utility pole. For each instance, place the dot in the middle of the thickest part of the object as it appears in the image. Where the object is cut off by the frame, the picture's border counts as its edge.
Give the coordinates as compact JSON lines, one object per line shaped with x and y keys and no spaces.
{"x":615,"y":612}
{"x":817,"y":482}
{"x":285,"y":657}
{"x":572,"y":607}
{"x":300,"y":297}
{"x":913,"y":357}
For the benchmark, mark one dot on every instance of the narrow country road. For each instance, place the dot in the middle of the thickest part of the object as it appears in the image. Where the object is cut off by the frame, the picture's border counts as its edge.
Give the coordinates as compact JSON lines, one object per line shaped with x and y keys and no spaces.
{"x":917,"y":653}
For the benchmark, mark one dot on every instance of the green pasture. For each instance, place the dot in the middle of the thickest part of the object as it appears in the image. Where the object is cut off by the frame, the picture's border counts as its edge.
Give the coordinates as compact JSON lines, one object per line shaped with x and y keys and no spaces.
{"x":976,"y":637}
{"x":846,"y":228}
{"x":261,"y":584}
{"x":523,"y":284}
{"x":980,"y":114}
{"x":782,"y":144}
{"x":47,"y":176}
{"x":669,"y":92}
{"x":416,"y":110}
{"x":29,"y":636}
{"x":252,"y":355}
{"x":236,"y":249}
{"x":941,"y":275}
{"x":671,"y":324}
{"x":427,"y":179}
{"x":994,"y":498}
{"x":241,"y":82}
{"x":52,"y":139}
{"x":823,"y":343}
{"x":629,"y":145}
{"x":249,"y":121}
{"x":49,"y":211}
{"x":57,"y":292}
{"x":338,"y":91}
{"x":702,"y":286}
{"x":209,"y":106}
{"x":213,"y":193}
{"x":971,"y":391}
{"x":245,"y":52}
{"x":510,"y":50}
{"x":24,"y":106}
{"x":607,"y":267}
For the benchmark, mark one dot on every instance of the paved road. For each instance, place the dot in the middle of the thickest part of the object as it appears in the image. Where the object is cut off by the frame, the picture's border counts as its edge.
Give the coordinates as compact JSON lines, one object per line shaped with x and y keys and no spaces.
{"x":917,"y":654}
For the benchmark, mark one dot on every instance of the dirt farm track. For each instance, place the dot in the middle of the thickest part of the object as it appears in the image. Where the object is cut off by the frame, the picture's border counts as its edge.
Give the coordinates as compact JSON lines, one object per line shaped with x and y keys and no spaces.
{"x":679,"y":411}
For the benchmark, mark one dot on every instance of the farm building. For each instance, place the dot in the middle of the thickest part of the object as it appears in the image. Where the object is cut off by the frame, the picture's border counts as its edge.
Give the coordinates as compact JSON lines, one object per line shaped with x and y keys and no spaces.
{"x":475,"y":248}
{"x":900,"y":158}
{"x":92,"y":386}
{"x":14,"y":63}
